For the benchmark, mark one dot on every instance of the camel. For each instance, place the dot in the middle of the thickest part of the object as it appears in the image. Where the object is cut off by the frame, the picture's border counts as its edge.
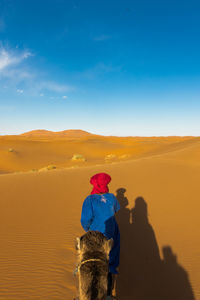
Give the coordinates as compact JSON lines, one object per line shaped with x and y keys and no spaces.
{"x":93,"y":265}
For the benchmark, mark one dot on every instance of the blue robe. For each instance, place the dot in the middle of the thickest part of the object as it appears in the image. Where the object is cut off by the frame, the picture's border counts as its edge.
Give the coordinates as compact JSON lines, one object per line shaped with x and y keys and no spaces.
{"x":98,"y":213}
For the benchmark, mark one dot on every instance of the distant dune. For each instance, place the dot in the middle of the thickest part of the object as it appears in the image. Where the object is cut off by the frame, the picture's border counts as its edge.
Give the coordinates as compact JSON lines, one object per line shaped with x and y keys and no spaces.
{"x":47,"y":133}
{"x":44,"y":180}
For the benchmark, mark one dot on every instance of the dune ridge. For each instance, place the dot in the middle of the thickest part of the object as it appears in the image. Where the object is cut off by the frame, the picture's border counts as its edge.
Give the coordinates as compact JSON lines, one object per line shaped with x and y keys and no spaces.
{"x":47,"y":133}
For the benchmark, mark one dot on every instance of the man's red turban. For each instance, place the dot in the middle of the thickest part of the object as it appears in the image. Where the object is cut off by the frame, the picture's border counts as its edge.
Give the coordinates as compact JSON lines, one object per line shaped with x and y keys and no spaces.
{"x":100,"y":182}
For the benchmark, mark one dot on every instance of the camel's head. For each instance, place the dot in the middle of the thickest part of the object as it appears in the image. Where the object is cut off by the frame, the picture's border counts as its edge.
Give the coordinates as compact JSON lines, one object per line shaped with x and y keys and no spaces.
{"x":93,"y":241}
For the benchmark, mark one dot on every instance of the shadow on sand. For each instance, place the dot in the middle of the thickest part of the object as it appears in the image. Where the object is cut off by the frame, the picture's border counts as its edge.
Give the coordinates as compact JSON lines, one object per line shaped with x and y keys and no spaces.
{"x":143,"y":274}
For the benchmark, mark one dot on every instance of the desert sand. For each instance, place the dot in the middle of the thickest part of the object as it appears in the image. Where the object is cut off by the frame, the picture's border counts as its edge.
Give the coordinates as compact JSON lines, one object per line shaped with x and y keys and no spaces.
{"x":43,"y":182}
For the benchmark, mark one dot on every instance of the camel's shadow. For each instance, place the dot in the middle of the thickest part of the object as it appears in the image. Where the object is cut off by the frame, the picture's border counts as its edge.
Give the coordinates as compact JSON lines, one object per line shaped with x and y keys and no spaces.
{"x":143,"y":275}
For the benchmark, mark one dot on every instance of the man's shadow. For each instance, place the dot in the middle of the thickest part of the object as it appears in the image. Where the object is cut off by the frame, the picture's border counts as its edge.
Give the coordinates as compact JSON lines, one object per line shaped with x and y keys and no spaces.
{"x":142,"y":273}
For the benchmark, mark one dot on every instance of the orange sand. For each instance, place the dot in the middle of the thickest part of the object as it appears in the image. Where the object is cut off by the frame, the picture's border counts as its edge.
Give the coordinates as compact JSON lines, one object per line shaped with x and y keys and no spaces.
{"x":40,"y":213}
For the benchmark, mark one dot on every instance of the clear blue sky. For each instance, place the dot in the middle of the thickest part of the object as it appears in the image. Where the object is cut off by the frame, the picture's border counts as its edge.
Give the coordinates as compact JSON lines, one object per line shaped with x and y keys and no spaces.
{"x":109,"y":67}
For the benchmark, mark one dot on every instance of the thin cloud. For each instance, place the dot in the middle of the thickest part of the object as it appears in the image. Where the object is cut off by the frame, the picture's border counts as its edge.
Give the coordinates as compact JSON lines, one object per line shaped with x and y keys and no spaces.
{"x":54,"y":86}
{"x":10,"y":58}
{"x":64,"y":97}
{"x":16,"y":73}
{"x":100,"y":69}
{"x":20,"y":91}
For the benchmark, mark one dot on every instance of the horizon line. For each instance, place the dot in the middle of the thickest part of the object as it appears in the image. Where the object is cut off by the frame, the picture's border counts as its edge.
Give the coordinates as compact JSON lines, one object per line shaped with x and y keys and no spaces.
{"x":99,"y":134}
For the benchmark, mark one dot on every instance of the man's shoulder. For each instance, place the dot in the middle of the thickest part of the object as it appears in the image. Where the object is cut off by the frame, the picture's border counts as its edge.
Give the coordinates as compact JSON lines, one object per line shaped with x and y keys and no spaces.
{"x":88,"y":198}
{"x":111,"y":195}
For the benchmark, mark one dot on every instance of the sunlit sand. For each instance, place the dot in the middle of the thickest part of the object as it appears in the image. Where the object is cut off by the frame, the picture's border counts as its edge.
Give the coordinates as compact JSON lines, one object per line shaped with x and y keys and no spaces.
{"x":44,"y":180}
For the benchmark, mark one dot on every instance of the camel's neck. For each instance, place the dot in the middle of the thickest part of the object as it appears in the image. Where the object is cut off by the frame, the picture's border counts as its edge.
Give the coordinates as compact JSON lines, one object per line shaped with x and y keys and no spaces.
{"x":93,"y":281}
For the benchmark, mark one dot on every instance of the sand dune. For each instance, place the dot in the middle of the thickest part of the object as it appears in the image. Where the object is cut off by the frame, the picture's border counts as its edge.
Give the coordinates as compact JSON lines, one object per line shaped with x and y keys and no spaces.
{"x":37,"y":150}
{"x":47,"y":133}
{"x":158,"y":189}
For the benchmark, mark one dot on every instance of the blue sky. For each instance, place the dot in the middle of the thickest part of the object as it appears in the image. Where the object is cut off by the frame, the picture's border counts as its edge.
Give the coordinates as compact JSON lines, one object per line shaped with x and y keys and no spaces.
{"x":108,"y":67}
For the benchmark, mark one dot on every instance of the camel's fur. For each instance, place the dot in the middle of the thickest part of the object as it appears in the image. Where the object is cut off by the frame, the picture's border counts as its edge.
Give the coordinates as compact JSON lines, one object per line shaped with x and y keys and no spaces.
{"x":93,"y":258}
